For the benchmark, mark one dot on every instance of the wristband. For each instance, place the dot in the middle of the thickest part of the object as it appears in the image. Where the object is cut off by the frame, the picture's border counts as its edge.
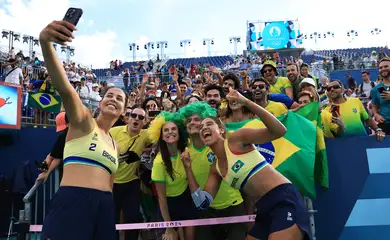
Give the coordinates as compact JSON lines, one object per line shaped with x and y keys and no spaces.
{"x":378,"y":130}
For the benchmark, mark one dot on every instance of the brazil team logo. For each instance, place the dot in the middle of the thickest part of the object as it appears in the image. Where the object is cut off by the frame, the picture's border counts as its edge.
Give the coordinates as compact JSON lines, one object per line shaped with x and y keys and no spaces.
{"x":237,"y":166}
{"x":211,"y":157}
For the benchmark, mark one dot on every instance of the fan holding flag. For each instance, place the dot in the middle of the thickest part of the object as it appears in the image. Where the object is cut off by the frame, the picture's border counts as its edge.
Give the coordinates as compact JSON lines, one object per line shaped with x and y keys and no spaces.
{"x":281,"y":213}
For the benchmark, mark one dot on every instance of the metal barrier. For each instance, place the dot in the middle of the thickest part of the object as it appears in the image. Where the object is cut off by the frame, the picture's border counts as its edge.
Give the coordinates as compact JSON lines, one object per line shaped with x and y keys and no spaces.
{"x":34,"y":208}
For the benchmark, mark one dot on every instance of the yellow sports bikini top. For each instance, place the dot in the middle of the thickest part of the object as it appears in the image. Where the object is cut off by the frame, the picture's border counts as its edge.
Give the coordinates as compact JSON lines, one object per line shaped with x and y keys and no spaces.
{"x":241,"y":166}
{"x":92,"y":150}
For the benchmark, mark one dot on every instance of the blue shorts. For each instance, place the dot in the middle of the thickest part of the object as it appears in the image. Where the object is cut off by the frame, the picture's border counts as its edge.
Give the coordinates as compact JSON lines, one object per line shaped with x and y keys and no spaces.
{"x":279,"y":209}
{"x":80,"y":214}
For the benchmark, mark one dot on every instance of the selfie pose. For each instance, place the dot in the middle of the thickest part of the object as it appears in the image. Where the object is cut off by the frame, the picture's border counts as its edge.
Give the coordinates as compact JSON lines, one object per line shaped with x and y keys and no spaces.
{"x":281,"y":213}
{"x":83,"y":207}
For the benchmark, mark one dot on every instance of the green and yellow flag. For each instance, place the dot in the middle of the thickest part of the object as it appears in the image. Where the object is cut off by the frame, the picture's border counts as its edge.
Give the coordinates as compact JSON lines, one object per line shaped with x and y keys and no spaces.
{"x":45,"y":102}
{"x":293,"y":155}
{"x":312,"y":113}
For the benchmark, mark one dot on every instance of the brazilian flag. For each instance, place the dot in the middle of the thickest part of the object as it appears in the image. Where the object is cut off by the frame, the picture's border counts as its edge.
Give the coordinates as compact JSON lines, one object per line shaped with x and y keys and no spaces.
{"x":293,"y":155}
{"x":45,"y":102}
{"x":312,"y":113}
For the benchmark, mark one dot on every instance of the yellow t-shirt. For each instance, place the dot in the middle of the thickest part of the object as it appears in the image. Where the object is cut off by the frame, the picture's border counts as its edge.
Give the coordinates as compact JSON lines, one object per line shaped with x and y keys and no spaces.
{"x":276,"y":108}
{"x":174,"y":187}
{"x":280,"y":86}
{"x":328,"y":126}
{"x":353,"y":114}
{"x":128,"y":172}
{"x":201,"y":160}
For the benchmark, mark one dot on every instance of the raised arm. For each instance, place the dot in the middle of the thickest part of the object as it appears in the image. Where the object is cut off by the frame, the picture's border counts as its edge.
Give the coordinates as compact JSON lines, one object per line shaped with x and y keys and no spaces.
{"x":274,"y":128}
{"x":202,"y":198}
{"x":61,"y":32}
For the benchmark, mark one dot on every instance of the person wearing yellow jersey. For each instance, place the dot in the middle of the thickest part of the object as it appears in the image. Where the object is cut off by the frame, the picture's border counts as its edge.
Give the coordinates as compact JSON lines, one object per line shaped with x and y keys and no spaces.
{"x":281,"y":213}
{"x":83,"y":206}
{"x":333,"y":126}
{"x":168,"y":173}
{"x":277,"y":84}
{"x":131,"y":139}
{"x":228,"y":201}
{"x":260,"y":90}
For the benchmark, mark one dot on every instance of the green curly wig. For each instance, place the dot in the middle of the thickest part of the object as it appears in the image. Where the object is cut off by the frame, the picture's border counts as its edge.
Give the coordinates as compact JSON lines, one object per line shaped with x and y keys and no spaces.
{"x":154,"y":129}
{"x":202,"y":109}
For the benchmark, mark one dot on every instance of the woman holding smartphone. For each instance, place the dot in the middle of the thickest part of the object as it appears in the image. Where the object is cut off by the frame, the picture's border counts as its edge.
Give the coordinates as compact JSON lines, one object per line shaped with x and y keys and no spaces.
{"x":83,"y":207}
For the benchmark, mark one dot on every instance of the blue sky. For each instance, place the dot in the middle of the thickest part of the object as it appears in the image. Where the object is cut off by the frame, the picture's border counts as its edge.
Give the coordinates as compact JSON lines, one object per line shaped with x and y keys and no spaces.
{"x":107,"y":27}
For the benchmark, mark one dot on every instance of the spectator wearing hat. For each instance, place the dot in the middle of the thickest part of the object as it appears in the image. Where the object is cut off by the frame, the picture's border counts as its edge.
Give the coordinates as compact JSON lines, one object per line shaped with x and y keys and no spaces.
{"x":277,"y":84}
{"x":54,"y":159}
{"x":309,"y":85}
{"x":94,"y":97}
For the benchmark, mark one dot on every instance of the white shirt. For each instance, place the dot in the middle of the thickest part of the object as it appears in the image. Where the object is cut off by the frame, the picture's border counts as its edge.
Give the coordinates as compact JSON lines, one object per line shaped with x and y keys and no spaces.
{"x":84,"y":93}
{"x":367,"y":88}
{"x":15,"y":76}
{"x":95,"y":98}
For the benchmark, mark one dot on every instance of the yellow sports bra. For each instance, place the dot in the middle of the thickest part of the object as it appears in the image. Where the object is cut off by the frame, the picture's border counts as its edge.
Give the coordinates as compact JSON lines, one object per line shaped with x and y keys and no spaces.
{"x":92,"y":150}
{"x":241,"y":166}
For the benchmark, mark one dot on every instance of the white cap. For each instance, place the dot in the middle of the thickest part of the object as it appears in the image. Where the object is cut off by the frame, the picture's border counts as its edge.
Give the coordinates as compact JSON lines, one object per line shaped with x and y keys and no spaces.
{"x":308,"y":81}
{"x":95,"y":85}
{"x":158,"y":93}
{"x":110,"y":85}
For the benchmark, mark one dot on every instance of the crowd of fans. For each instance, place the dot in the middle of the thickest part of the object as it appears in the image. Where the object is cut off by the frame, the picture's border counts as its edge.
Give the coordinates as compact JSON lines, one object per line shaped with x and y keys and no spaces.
{"x":346,"y":110}
{"x":343,"y":114}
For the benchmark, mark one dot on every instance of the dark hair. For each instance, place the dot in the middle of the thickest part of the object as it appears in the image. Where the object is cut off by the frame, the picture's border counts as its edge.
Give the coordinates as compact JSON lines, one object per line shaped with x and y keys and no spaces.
{"x":143,"y":105}
{"x":193,"y":96}
{"x":304,"y":65}
{"x":126,"y":96}
{"x":366,"y":72}
{"x":210,"y":87}
{"x":385,"y":59}
{"x":66,"y":119}
{"x":165,"y":155}
{"x":234,"y":77}
{"x":259,"y":80}
{"x":182,"y":82}
{"x":296,"y":65}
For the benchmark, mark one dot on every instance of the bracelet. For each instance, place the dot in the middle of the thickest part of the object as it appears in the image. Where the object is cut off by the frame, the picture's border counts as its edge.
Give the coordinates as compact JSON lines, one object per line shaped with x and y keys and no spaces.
{"x":378,"y":130}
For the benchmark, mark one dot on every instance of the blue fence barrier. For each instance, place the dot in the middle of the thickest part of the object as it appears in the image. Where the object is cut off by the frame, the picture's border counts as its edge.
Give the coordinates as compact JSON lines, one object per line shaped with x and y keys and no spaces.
{"x":359,"y":173}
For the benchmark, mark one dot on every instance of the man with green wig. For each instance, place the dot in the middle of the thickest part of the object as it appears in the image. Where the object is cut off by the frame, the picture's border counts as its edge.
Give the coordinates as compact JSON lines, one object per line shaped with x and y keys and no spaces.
{"x":228,"y":202}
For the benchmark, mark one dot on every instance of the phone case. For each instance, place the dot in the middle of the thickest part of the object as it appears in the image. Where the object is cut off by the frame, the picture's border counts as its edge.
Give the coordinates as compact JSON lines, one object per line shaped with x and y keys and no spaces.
{"x":73,"y":15}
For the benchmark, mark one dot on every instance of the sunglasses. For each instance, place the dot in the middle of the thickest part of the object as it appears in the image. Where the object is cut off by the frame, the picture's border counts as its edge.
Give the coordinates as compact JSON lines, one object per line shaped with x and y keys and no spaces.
{"x":134,"y":115}
{"x":133,"y":95}
{"x":268,"y":70}
{"x":333,"y":87}
{"x":260,"y":86}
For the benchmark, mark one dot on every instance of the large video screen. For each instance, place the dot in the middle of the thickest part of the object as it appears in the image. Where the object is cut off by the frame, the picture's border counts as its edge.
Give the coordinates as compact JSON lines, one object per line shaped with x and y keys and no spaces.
{"x":10,"y":106}
{"x":273,"y":35}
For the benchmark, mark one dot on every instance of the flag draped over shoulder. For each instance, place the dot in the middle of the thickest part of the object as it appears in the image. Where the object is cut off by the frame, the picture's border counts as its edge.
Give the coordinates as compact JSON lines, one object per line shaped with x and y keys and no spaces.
{"x":44,"y":101}
{"x":312,"y":113}
{"x":293,"y":155}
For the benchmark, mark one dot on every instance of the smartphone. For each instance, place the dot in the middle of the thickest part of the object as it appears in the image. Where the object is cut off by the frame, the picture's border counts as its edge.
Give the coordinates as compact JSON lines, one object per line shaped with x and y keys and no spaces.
{"x":73,"y":15}
{"x":381,"y":89}
{"x":335,"y":110}
{"x":154,"y":113}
